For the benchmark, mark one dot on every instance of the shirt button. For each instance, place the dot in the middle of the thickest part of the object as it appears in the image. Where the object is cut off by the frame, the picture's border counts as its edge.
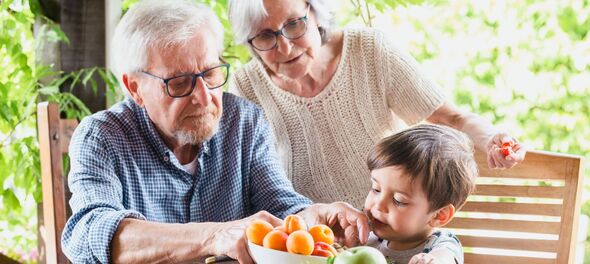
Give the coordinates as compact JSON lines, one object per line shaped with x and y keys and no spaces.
{"x":166,"y":159}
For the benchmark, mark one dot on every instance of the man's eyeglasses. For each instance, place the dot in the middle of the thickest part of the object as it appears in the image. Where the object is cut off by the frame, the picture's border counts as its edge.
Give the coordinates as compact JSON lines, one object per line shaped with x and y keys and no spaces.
{"x":293,"y":29}
{"x":183,"y":85}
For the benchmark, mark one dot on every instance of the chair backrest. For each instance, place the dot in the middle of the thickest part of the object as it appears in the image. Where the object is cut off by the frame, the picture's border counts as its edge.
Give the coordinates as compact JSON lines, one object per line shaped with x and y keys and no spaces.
{"x":527,"y":214}
{"x":54,"y":140}
{"x":7,"y":260}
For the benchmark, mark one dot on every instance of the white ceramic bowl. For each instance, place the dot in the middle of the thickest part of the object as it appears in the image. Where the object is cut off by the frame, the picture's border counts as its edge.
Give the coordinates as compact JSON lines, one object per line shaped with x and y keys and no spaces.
{"x":262,"y":255}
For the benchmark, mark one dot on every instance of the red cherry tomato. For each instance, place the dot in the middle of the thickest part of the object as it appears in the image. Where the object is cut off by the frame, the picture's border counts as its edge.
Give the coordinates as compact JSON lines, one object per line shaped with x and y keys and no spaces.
{"x":507,"y":148}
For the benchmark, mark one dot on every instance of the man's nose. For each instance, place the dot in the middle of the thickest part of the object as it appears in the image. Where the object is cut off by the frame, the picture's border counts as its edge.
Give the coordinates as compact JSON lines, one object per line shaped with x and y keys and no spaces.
{"x":201,"y":94}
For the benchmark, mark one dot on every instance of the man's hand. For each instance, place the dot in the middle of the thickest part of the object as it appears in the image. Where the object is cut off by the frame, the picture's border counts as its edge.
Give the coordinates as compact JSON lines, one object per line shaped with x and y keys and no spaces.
{"x":350,"y":225}
{"x":496,"y":157}
{"x":230,"y":239}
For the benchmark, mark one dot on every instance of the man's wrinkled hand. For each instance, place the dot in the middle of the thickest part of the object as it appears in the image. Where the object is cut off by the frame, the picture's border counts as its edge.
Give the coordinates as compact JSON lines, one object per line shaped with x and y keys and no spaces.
{"x":230,"y":239}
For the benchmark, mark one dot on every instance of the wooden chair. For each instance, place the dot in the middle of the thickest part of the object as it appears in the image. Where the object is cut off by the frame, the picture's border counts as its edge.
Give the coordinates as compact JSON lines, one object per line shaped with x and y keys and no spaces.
{"x":54,"y":139}
{"x":527,"y":214}
{"x":7,"y":260}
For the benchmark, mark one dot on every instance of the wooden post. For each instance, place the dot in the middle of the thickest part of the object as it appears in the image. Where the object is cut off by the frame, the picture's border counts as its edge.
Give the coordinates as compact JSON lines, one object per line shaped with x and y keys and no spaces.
{"x":54,"y":204}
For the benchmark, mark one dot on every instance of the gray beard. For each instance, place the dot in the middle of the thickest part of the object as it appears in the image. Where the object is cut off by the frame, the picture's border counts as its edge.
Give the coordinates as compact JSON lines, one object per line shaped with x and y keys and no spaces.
{"x":196,"y":137}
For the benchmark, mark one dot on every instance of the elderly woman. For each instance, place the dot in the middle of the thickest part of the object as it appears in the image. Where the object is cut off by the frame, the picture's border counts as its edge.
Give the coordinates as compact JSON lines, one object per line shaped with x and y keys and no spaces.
{"x":330,"y":95}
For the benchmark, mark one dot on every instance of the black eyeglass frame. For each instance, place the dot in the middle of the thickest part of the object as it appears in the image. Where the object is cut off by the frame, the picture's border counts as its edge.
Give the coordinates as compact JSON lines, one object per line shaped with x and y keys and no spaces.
{"x":194,"y":79}
{"x":280,"y":31}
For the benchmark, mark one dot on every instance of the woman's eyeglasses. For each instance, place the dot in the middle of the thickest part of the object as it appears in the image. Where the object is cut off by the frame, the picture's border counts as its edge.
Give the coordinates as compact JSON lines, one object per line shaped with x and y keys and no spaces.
{"x":293,"y":29}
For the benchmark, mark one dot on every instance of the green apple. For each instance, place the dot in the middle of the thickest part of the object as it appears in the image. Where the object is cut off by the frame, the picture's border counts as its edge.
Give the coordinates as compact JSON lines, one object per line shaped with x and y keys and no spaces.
{"x":359,"y":255}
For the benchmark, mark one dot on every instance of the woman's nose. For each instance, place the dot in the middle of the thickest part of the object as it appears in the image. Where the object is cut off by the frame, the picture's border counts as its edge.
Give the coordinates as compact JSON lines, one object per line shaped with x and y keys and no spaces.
{"x":284,"y":45}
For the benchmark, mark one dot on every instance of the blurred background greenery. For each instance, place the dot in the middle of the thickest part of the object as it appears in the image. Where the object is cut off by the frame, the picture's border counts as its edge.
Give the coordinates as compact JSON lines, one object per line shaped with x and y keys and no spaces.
{"x":525,"y":65}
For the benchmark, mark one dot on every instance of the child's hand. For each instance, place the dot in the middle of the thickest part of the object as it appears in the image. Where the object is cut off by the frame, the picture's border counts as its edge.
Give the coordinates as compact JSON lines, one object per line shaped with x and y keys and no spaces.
{"x":350,"y":225}
{"x":422,"y":258}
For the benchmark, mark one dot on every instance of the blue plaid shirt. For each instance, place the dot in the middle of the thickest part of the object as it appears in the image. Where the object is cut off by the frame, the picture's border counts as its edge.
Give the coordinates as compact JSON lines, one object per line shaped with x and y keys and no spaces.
{"x":120,"y":167}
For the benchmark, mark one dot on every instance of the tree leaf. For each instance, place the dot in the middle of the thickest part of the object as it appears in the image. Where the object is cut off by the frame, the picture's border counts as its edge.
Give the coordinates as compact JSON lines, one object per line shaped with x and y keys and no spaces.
{"x":48,"y":90}
{"x":10,"y":200}
{"x":88,"y":74}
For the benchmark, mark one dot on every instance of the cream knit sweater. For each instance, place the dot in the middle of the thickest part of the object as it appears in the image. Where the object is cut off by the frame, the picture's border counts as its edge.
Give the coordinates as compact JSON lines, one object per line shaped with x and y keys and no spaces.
{"x":323,"y":141}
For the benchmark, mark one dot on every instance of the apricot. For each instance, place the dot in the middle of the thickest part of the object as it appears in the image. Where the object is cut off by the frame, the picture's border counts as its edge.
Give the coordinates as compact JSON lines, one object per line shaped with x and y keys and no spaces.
{"x":257,"y":230}
{"x":300,"y":242}
{"x":324,"y":250}
{"x":276,"y":239}
{"x":281,"y":228}
{"x":294,"y":223}
{"x":322,"y":233}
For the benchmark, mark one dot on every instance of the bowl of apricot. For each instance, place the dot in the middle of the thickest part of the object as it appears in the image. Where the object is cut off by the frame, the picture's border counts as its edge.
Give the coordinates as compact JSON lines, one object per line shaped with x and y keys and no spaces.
{"x":291,"y":242}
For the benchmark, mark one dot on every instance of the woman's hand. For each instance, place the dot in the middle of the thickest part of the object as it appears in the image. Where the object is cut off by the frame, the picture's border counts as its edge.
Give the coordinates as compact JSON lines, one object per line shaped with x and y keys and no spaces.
{"x":230,"y":239}
{"x":350,"y":225}
{"x":496,"y":157}
{"x":479,"y":130}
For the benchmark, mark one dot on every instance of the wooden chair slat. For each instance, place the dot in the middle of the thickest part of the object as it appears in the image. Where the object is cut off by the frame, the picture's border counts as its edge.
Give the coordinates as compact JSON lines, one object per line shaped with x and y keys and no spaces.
{"x":495,"y":259}
{"x":554,"y":192}
{"x":509,"y":243}
{"x":513,"y":208}
{"x":538,"y":165}
{"x":540,"y":227}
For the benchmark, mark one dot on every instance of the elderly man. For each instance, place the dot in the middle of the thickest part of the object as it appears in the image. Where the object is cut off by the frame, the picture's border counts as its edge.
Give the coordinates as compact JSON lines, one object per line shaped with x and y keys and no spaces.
{"x":177,"y":170}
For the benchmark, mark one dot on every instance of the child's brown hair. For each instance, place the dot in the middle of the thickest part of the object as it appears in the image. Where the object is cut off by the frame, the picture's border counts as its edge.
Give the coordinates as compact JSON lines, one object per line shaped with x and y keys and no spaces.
{"x":440,"y":158}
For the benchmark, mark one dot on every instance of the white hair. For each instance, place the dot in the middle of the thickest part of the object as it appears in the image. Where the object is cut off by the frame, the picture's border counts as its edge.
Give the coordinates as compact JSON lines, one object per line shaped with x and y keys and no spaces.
{"x":246,"y":15}
{"x":159,"y":24}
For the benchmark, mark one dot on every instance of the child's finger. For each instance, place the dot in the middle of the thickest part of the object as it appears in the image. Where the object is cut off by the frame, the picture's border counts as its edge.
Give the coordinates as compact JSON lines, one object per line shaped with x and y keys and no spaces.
{"x":363,"y":230}
{"x":351,"y":236}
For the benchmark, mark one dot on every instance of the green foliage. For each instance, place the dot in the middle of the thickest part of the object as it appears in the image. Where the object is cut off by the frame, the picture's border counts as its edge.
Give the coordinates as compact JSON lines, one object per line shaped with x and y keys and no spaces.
{"x":19,"y":154}
{"x":367,"y":9}
{"x":569,"y":23}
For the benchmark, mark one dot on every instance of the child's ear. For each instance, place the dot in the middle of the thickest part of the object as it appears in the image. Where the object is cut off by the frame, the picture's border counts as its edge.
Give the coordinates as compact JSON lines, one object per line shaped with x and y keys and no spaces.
{"x":442,"y":216}
{"x":133,"y":88}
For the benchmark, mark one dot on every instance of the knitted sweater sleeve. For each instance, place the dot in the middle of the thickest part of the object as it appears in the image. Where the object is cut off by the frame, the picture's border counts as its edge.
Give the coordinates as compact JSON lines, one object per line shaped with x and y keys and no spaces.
{"x":234,"y":86}
{"x":410,"y":94}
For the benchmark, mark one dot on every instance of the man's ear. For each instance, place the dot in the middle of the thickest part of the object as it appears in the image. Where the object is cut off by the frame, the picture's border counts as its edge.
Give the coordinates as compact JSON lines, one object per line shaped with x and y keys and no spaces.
{"x":133,"y":88}
{"x":442,"y":216}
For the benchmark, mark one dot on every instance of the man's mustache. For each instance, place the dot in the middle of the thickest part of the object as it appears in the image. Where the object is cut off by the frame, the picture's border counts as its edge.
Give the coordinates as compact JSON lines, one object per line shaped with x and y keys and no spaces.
{"x":201,"y":112}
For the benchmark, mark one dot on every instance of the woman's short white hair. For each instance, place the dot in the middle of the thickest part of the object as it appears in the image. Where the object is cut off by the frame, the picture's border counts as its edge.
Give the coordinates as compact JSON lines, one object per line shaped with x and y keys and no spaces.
{"x":159,"y":24}
{"x":246,"y":15}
